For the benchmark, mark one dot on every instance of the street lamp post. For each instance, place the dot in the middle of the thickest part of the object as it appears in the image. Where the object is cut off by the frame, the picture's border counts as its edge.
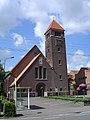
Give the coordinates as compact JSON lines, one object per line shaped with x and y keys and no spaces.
{"x":6,"y":60}
{"x":15,"y":97}
{"x":6,"y":84}
{"x":4,"y":70}
{"x":15,"y":89}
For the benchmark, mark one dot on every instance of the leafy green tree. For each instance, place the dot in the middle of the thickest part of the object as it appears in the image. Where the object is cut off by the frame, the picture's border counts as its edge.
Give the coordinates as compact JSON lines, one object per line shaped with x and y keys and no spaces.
{"x":73,"y":87}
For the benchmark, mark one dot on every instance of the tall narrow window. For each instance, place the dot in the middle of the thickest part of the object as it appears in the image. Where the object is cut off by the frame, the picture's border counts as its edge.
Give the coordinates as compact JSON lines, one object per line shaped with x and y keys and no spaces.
{"x":48,"y":50}
{"x":59,"y":62}
{"x":36,"y":72}
{"x":59,"y":49}
{"x":44,"y":73}
{"x":60,"y":88}
{"x":60,"y":77}
{"x":40,"y":72}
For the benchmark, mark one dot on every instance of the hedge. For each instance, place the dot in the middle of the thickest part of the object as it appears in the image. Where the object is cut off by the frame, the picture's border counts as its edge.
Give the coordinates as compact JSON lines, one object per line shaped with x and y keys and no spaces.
{"x":9,"y":109}
{"x":69,"y":98}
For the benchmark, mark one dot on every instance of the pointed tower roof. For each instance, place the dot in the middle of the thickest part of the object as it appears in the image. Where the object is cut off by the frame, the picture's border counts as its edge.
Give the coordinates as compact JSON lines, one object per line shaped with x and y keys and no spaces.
{"x":54,"y":25}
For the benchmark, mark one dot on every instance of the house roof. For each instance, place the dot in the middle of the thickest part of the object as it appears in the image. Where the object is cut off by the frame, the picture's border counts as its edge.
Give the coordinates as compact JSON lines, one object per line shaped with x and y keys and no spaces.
{"x":54,"y":25}
{"x":25,"y":69}
{"x":25,"y":57}
{"x":73,"y":72}
{"x":21,"y":65}
{"x":85,"y":69}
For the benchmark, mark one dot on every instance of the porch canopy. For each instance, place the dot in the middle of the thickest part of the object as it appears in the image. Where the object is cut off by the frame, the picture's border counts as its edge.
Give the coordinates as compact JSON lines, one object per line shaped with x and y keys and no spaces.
{"x":21,"y":92}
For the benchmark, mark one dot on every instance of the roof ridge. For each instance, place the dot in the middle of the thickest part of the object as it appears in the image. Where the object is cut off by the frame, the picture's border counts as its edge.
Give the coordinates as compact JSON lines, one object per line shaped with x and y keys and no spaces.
{"x":24,"y":70}
{"x":54,"y":25}
{"x":24,"y":57}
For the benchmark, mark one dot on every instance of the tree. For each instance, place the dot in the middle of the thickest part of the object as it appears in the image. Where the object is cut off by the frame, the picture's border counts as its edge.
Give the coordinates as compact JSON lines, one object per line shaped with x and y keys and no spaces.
{"x":73,"y":86}
{"x":2,"y":74}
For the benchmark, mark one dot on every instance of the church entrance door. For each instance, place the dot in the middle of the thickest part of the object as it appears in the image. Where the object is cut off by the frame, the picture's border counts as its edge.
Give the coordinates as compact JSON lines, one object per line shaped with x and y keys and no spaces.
{"x":40,"y":88}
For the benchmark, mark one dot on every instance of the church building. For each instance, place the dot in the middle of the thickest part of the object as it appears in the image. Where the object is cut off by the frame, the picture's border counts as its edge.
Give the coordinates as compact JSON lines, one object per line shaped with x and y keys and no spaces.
{"x":47,"y":72}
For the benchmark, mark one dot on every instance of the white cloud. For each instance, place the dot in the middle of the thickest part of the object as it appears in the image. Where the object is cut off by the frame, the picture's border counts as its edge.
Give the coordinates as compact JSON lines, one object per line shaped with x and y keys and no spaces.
{"x":18,"y":39}
{"x":42,"y":44}
{"x":73,"y":15}
{"x":10,"y":13}
{"x":38,"y":29}
{"x":4,"y":54}
{"x":79,"y":56}
{"x":78,"y":60}
{"x":88,"y":64}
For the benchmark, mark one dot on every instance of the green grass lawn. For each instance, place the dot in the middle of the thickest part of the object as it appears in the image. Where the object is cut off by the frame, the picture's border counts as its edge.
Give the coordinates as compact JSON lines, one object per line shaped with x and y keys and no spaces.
{"x":70,"y":98}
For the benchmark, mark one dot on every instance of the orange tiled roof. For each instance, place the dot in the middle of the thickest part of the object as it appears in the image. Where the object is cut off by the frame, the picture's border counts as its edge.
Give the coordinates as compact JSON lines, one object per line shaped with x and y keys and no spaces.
{"x":54,"y":25}
{"x":74,"y":71}
{"x":87,"y":70}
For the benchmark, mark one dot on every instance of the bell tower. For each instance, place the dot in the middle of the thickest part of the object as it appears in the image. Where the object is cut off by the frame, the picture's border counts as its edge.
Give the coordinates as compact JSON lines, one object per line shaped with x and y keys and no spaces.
{"x":56,"y":55}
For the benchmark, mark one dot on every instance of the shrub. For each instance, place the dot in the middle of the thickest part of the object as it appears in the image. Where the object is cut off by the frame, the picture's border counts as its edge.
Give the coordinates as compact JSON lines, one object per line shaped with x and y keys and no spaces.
{"x":1,"y":97}
{"x":12,"y":100}
{"x":1,"y":106}
{"x":4,"y":101}
{"x":9,"y":109}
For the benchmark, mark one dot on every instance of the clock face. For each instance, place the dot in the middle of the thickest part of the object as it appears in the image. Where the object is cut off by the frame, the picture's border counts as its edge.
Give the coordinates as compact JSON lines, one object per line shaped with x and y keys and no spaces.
{"x":58,"y":42}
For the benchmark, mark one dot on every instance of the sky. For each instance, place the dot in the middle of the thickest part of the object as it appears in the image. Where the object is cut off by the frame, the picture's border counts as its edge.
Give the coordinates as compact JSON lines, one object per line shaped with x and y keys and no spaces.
{"x":23,"y":23}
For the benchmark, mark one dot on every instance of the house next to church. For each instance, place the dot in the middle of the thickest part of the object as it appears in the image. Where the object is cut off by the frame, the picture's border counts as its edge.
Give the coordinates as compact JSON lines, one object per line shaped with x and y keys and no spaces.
{"x":82,"y":79}
{"x":47,"y":72}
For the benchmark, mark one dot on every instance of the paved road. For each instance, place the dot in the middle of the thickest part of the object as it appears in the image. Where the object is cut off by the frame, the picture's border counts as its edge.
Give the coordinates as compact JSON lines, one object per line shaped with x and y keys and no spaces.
{"x":46,"y":109}
{"x":76,"y":116}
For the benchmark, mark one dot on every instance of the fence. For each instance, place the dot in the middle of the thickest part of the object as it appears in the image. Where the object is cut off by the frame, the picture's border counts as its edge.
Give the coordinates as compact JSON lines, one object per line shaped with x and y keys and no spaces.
{"x":53,"y":93}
